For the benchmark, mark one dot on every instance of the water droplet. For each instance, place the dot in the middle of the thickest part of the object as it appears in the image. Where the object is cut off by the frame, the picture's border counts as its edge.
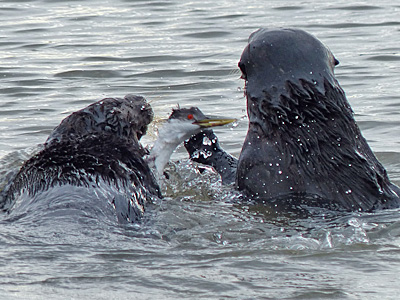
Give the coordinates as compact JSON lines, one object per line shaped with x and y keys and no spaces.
{"x":207,"y":141}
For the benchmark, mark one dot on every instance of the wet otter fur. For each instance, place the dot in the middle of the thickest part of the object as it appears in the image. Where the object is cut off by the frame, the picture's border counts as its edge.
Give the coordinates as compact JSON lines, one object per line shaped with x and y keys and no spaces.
{"x":302,"y":137}
{"x":99,"y":143}
{"x":303,"y":145}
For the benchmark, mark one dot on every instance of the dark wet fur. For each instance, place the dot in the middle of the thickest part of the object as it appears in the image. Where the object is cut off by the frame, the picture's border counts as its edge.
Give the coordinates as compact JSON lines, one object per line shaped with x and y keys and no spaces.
{"x":303,"y":145}
{"x":210,"y":153}
{"x":127,"y":118}
{"x":302,"y":136}
{"x":100,"y":142}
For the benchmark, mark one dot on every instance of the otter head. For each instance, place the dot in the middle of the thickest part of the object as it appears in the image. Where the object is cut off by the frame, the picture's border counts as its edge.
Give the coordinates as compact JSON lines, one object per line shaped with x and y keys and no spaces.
{"x":278,"y":63}
{"x":125,"y":118}
{"x":130,"y":117}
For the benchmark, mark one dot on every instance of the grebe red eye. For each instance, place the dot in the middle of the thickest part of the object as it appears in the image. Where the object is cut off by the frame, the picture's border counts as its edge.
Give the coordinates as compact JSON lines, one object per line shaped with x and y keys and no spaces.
{"x":190,"y":117}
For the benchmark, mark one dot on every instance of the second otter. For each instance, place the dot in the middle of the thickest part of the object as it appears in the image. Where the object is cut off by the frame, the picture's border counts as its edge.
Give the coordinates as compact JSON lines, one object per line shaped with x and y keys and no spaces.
{"x":303,"y":142}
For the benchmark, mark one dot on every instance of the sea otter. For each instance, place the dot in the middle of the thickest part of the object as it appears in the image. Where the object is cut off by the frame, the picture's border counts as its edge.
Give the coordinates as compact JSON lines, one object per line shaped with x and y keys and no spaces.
{"x":94,"y":150}
{"x":94,"y":159}
{"x":303,"y":143}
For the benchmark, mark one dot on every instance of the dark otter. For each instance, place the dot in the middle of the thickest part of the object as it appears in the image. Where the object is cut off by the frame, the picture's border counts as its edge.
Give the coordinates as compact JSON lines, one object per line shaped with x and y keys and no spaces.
{"x":95,"y":147}
{"x":303,"y":142}
{"x":94,"y":156}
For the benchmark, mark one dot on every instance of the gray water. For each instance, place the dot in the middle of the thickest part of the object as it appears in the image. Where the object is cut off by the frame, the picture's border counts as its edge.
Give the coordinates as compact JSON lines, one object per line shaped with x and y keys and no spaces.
{"x":59,"y":56}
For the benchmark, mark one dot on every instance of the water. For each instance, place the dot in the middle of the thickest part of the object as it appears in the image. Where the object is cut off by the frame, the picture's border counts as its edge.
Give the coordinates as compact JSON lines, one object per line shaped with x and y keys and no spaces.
{"x":59,"y":56}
